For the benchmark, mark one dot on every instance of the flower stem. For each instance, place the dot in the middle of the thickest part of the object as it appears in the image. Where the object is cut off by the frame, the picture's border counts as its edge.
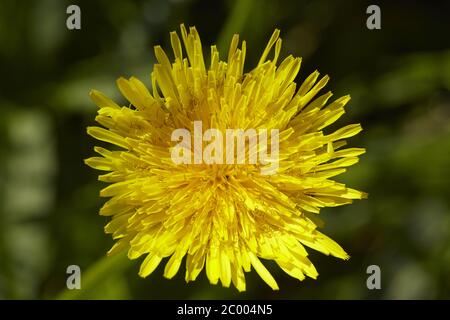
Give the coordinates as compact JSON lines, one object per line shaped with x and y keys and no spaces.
{"x":102,"y":270}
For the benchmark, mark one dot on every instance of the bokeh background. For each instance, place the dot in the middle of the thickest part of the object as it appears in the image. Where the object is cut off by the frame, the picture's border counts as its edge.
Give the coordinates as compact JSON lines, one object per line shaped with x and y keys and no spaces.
{"x":399,"y":80}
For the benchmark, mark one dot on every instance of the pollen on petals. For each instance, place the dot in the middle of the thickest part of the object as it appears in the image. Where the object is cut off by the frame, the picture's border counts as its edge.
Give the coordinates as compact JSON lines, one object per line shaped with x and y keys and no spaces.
{"x":222,"y":218}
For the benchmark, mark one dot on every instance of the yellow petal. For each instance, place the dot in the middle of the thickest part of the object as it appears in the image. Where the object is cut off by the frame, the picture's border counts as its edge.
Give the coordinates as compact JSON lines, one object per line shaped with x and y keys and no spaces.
{"x":262,"y":271}
{"x":149,"y":265}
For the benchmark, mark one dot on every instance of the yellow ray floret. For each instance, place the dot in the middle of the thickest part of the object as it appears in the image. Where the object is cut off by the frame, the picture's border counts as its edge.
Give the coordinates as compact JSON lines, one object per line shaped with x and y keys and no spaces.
{"x":222,"y":218}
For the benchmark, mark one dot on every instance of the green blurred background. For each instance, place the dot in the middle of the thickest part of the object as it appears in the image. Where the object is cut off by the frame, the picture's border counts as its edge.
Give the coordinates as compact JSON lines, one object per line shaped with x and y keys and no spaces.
{"x":399,"y":80}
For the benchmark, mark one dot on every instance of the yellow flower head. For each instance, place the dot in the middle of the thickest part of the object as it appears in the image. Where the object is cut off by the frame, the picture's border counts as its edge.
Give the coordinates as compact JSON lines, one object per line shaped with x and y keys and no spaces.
{"x":222,"y":216}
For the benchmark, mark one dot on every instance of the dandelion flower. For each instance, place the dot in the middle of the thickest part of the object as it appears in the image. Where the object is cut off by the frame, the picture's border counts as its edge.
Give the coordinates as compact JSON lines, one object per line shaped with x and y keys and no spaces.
{"x":221,"y":217}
